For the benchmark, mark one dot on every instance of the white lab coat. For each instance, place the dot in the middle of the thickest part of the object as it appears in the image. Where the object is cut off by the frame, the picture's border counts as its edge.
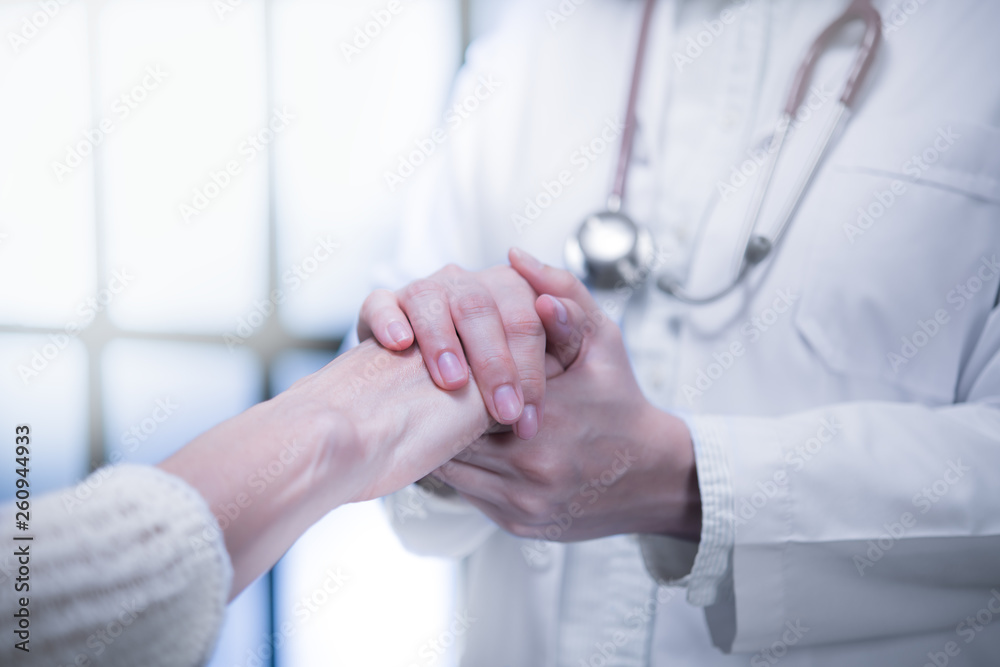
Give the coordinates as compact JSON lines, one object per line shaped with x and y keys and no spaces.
{"x":845,"y":404}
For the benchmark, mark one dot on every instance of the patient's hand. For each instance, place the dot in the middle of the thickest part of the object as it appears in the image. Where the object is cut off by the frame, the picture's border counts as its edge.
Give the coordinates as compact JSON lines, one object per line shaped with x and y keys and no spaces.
{"x":493,"y":313}
{"x":402,"y":426}
{"x":366,"y":425}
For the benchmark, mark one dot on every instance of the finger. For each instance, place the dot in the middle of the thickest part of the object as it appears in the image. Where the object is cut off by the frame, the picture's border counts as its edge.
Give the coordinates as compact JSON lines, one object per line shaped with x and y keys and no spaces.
{"x":480,"y":325}
{"x":492,"y":453}
{"x":566,"y":327}
{"x":525,"y":337}
{"x":382,"y":317}
{"x":552,"y":367}
{"x":468,"y":478}
{"x":546,"y":279}
{"x":426,"y":307}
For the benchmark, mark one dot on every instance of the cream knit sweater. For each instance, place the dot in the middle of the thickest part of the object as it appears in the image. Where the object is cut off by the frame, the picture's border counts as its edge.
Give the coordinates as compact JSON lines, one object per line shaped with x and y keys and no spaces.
{"x":129,"y":568}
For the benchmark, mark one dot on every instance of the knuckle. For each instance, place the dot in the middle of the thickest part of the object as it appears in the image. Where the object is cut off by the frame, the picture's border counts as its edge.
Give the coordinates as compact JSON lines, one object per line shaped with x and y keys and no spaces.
{"x":421,"y":289}
{"x":543,"y":467}
{"x":528,"y":506}
{"x":532,"y":383}
{"x":454,"y":278}
{"x":563,"y":280}
{"x":377,"y":301}
{"x":494,"y":362}
{"x":473,"y":305}
{"x":524,"y":325}
{"x":424,"y":302}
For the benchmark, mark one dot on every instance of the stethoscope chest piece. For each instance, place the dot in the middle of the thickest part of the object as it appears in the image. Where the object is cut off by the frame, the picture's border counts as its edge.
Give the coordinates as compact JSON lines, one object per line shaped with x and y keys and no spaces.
{"x":609,"y":250}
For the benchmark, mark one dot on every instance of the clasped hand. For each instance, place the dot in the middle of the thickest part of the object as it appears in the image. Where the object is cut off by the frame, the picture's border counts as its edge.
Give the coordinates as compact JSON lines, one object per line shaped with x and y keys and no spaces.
{"x":585,"y":443}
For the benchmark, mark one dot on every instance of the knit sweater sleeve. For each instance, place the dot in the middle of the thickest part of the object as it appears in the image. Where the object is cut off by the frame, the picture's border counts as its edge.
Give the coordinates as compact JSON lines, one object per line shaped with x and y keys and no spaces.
{"x":129,"y":568}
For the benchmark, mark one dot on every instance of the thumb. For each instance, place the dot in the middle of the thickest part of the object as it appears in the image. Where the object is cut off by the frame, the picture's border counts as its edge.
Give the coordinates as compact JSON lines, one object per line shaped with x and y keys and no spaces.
{"x":546,"y":279}
{"x":566,"y":327}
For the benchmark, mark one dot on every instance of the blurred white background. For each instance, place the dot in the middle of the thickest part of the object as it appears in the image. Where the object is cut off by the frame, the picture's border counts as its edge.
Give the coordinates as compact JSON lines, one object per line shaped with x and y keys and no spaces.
{"x":192,"y":197}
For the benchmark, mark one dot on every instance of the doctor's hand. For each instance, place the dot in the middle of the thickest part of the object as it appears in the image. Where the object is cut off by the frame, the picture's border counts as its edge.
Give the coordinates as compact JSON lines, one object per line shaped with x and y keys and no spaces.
{"x":486,"y":320}
{"x":606,"y":462}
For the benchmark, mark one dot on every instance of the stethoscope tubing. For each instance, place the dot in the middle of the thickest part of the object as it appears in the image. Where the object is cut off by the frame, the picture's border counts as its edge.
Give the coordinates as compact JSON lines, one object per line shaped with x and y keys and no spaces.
{"x":755,"y":248}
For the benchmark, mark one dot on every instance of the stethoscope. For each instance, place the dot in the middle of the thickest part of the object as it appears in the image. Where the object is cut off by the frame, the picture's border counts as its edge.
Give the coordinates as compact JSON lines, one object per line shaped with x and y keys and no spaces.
{"x":610,"y":250}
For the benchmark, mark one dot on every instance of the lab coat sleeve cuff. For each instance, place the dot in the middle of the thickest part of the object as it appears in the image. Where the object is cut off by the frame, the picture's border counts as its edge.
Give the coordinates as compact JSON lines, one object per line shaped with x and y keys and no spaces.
{"x":703,"y":568}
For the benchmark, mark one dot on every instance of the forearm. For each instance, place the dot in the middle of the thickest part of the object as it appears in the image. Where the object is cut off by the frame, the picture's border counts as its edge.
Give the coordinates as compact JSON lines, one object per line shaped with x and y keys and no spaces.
{"x":367,"y":424}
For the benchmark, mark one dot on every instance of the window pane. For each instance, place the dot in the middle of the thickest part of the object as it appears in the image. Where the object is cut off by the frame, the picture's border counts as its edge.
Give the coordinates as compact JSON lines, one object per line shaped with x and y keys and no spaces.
{"x":159,"y":396}
{"x":359,"y":112}
{"x":46,"y":387}
{"x":185,"y":171}
{"x":246,"y":634}
{"x":46,"y":166}
{"x":347,"y":584}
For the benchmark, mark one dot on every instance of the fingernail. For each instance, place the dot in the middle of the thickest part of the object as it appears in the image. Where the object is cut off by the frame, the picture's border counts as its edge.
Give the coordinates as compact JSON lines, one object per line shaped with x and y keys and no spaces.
{"x":450,"y":368}
{"x":561,"y":313}
{"x":507,"y":402}
{"x":398,"y":332}
{"x":527,"y":426}
{"x":528,"y":260}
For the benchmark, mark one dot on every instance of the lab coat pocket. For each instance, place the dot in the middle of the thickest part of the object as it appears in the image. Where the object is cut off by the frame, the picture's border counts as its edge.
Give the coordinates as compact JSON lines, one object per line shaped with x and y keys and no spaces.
{"x":904,"y":260}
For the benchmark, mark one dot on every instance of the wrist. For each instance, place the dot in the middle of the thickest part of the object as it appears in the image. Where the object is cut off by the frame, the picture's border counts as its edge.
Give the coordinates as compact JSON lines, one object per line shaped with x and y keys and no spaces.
{"x":402,"y":425}
{"x":674,"y":474}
